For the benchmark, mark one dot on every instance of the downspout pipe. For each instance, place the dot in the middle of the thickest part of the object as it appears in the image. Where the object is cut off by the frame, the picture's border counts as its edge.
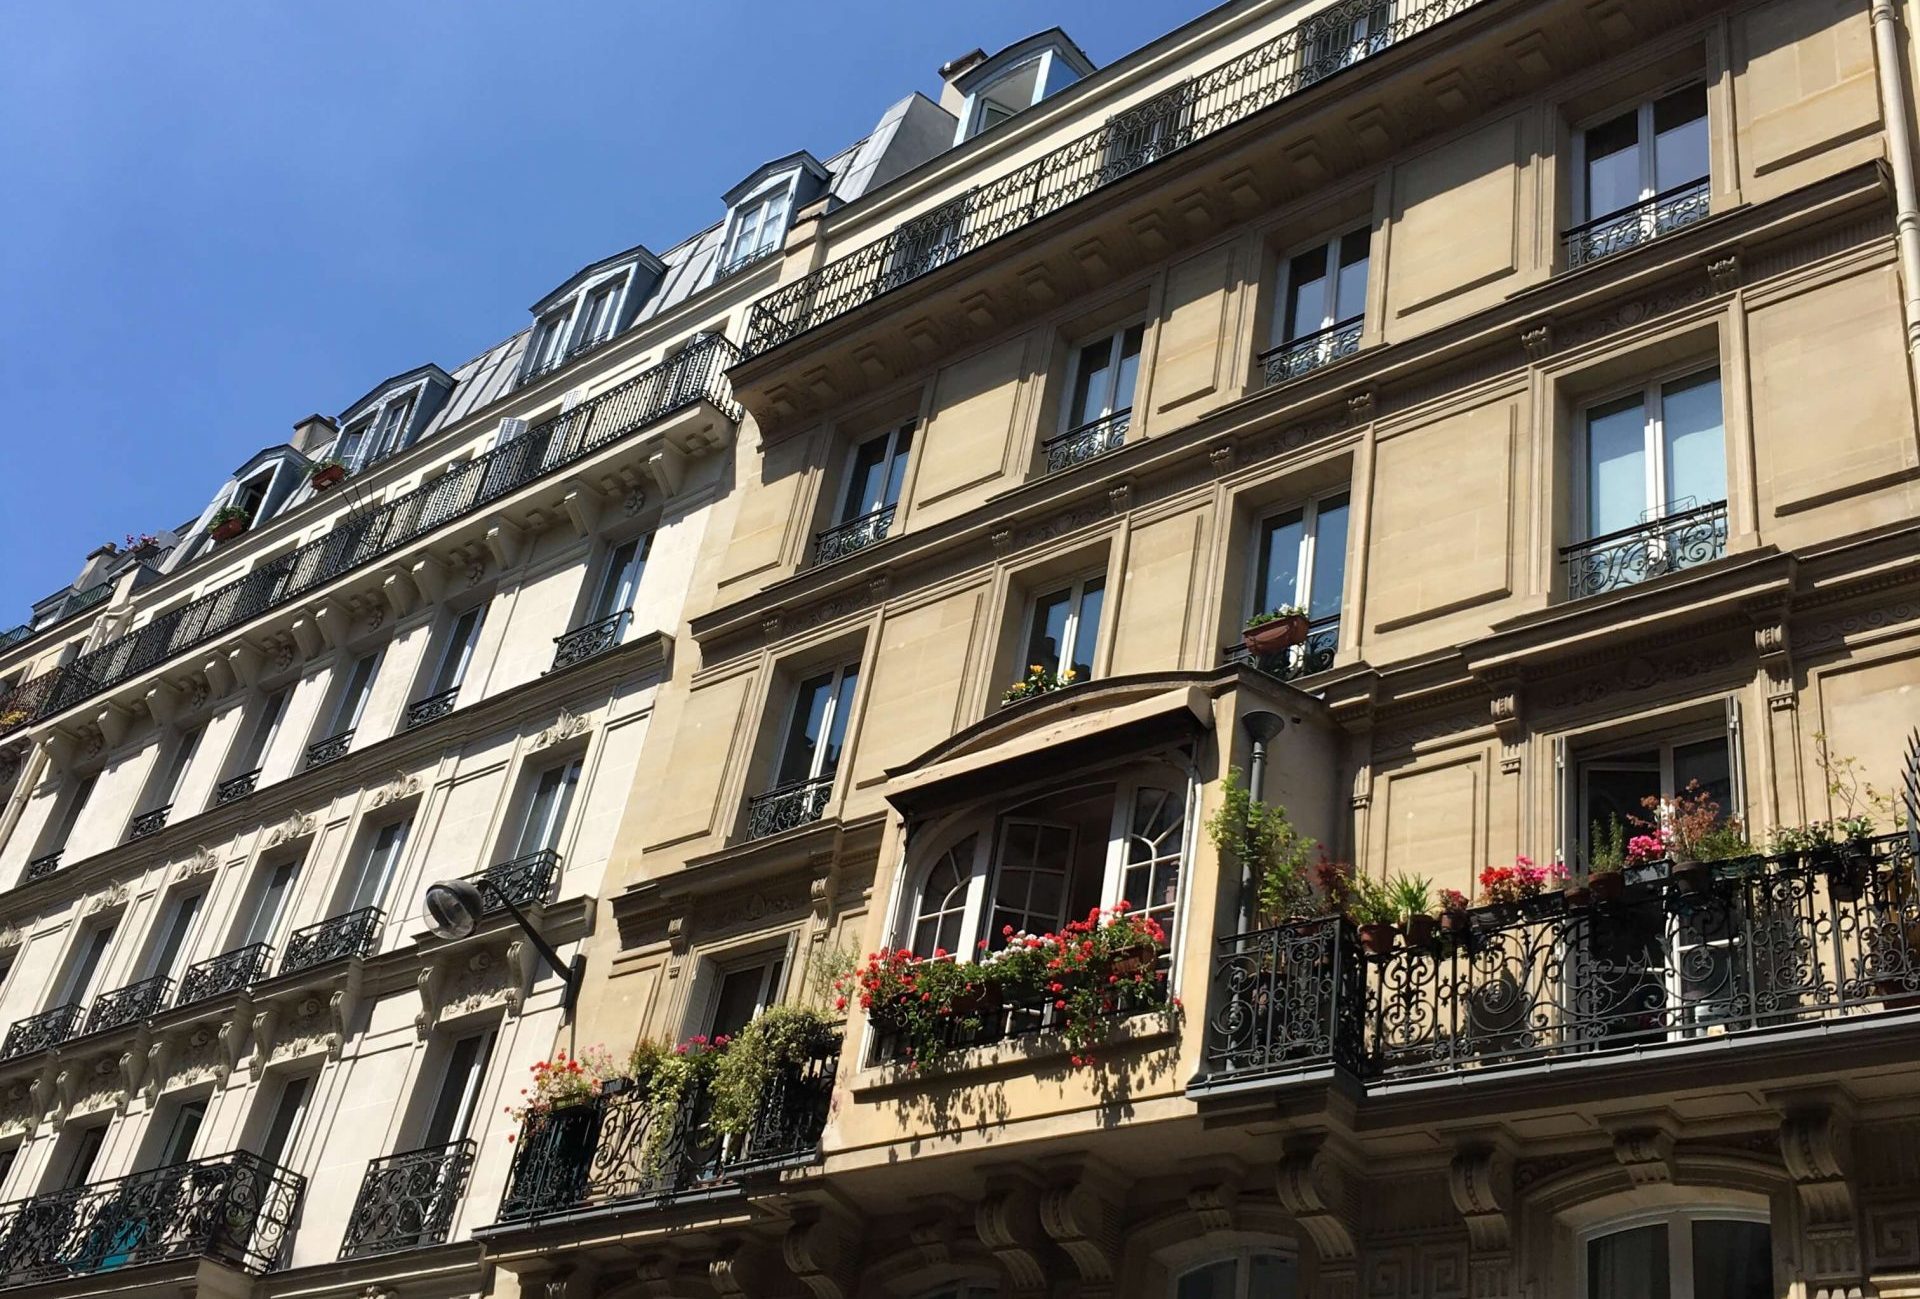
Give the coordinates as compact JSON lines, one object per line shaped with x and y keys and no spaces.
{"x":1261,"y":728}
{"x":1896,"y":109}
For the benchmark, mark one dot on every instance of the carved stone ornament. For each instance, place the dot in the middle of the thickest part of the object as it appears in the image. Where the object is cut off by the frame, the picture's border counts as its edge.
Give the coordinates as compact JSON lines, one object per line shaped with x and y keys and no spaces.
{"x":114,"y":895}
{"x":564,"y":727}
{"x":9,"y":937}
{"x":820,"y":1250}
{"x":454,"y":987}
{"x":1316,"y":1189}
{"x":298,"y":825}
{"x":1007,"y":1221}
{"x":1084,"y":1219}
{"x":402,"y":786}
{"x":204,"y":859}
{"x":633,"y":502}
{"x":476,"y":572}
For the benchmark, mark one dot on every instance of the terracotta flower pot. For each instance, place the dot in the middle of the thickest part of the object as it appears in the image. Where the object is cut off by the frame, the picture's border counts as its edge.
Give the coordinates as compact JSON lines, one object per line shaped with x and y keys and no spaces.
{"x":1423,"y":932}
{"x":1607,"y":886}
{"x":1135,"y":960}
{"x":1272,"y":637}
{"x":1577,"y":895}
{"x":322,"y":479}
{"x":1456,"y":925}
{"x":1377,"y":940}
{"x":1691,"y":878}
{"x":227,"y":530}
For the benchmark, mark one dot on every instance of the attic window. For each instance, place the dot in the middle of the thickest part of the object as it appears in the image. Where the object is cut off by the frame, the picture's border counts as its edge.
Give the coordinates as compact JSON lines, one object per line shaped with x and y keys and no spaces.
{"x":1018,"y":88}
{"x":759,"y":223}
{"x":380,"y":433}
{"x":252,"y":494}
{"x":549,"y":346}
{"x":596,"y":319}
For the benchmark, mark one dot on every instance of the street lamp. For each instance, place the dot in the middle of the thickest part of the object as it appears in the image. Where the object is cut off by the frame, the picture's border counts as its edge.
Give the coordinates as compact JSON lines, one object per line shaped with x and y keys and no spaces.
{"x":454,"y":908}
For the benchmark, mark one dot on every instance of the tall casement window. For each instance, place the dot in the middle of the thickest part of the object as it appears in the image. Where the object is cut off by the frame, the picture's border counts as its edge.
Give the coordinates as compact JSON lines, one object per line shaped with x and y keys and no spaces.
{"x":181,"y":1131}
{"x":456,"y":655}
{"x":619,"y":578}
{"x":741,"y":992}
{"x":759,"y":224}
{"x":547,"y":806}
{"x":164,"y":793}
{"x":1254,"y":1274}
{"x":75,"y":1158}
{"x":1099,"y":398}
{"x":72,"y":806}
{"x":1032,"y":866}
{"x":1063,"y":629}
{"x":456,"y":1095}
{"x":1639,"y":174}
{"x":548,"y":346}
{"x":1322,"y":306}
{"x":274,"y":1142}
{"x":597,"y":316}
{"x":1650,"y":489}
{"x":809,"y":753}
{"x":252,"y":755}
{"x":1301,"y":562}
{"x":82,"y":976}
{"x":379,"y":863}
{"x":1704,"y":1254}
{"x":350,"y":705}
{"x":267,"y":902}
{"x":173,"y":936}
{"x":389,"y":432}
{"x":876,"y":472}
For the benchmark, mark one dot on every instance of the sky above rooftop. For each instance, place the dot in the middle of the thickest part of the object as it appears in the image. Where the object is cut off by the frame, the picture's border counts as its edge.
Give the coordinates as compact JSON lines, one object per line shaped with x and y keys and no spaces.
{"x":226,"y":215}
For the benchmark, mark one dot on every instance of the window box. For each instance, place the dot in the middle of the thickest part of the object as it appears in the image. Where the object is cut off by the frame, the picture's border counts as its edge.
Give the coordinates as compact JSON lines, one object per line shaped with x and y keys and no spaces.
{"x":326,"y":475}
{"x":1276,"y":634}
{"x":228,"y":524}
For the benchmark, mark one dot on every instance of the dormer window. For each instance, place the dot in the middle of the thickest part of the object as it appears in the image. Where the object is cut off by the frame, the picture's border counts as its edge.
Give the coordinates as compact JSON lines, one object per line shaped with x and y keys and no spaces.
{"x":549,"y":346}
{"x":251,"y":495}
{"x":588,"y":310}
{"x":596,"y":321}
{"x":759,"y":223}
{"x":1016,"y":79}
{"x":388,"y":420}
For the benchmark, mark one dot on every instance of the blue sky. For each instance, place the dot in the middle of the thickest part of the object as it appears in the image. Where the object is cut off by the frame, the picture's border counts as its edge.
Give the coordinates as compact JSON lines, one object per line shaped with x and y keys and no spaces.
{"x":224,"y":215}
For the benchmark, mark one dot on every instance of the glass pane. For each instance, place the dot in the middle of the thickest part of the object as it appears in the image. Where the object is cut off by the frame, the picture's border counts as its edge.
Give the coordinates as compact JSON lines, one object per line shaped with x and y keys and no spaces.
{"x":1214,"y":1281}
{"x":1629,"y":1264}
{"x":1329,"y":558}
{"x":865,"y":479}
{"x":1615,"y":790}
{"x":1278,"y":580}
{"x":1680,"y":138}
{"x":1696,"y":444}
{"x":1306,"y":294}
{"x":1090,"y":383}
{"x":837,"y":728}
{"x":1048,"y":636}
{"x":1616,"y":466}
{"x":1708,"y":762}
{"x":1123,"y":384}
{"x":1086,"y":629}
{"x":615,"y":582}
{"x":453,"y":665}
{"x":738,"y":1002}
{"x":897,"y":470}
{"x":285,"y":1121}
{"x":1732,"y":1260}
{"x":1613,"y":165}
{"x":1272,"y":1277}
{"x":1350,"y":290}
{"x":810,"y":714}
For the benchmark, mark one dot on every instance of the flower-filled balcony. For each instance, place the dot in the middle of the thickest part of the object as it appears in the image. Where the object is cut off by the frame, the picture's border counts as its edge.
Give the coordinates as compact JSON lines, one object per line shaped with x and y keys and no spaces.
{"x":671,"y":1122}
{"x":235,"y":1208}
{"x":1655,"y":956}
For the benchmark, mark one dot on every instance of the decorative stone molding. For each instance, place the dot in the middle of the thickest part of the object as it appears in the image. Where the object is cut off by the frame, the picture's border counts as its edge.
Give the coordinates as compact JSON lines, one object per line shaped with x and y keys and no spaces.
{"x":1120,"y":498}
{"x":298,"y":825}
{"x":1723,"y":273}
{"x":1221,"y":458}
{"x":452,"y":987}
{"x":661,"y":1276}
{"x":1773,"y":643}
{"x":1360,"y":406}
{"x":203,"y":861}
{"x":739,"y":1271}
{"x":9,"y":937}
{"x":1084,"y":1219}
{"x":402,"y":786}
{"x":1317,"y":1189}
{"x":114,"y":895}
{"x":1646,"y":1153}
{"x":1815,"y":1140}
{"x":1538,"y":341}
{"x":1007,"y":1221}
{"x":820,"y":1249}
{"x":1480,"y":1180}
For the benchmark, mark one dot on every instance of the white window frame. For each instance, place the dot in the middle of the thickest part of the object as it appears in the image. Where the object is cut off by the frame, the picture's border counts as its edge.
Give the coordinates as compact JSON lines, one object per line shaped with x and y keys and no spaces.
{"x":456,"y":656}
{"x":547,"y":348}
{"x":974,"y":110}
{"x":166,"y":919}
{"x":763,"y":959}
{"x":265,"y":729}
{"x":1242,"y":1259}
{"x":1643,"y":127}
{"x":390,"y":868}
{"x":1679,"y":1223}
{"x":572,"y":775}
{"x":262,"y":926}
{"x":1331,"y":246}
{"x":895,"y":454}
{"x":827,"y":718}
{"x":1116,"y":346}
{"x":1309,"y":548}
{"x":467,"y":1104}
{"x":1076,"y":588}
{"x":609,"y":288}
{"x":359,"y":698}
{"x":1652,"y":395}
{"x":748,"y":224}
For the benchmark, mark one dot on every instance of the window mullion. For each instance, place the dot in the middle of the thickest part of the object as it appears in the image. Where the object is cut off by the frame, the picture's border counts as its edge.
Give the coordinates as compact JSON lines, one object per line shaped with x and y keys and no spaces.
{"x":1655,"y":475}
{"x":1330,"y":293}
{"x":1644,"y":128}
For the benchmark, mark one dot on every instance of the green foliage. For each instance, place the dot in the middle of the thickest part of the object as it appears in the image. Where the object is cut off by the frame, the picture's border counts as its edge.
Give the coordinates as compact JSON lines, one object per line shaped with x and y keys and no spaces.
{"x":1412,"y":895}
{"x":1372,"y":902}
{"x":1609,"y":852}
{"x":1275,"y":615}
{"x":779,"y":1039}
{"x":1258,"y":837}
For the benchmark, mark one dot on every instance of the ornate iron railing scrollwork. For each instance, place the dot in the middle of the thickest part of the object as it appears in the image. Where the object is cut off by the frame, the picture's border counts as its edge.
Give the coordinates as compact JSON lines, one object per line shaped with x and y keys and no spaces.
{"x":787,"y":808}
{"x":408,"y":1200}
{"x":1315,"y":654}
{"x":47,"y":1029}
{"x":589,"y":641}
{"x":854,"y":535}
{"x":235,"y":788}
{"x":331,"y":749}
{"x":1078,"y":445}
{"x":149,"y":822}
{"x":1311,"y":351}
{"x":432,"y":708}
{"x":41,"y":867}
{"x":335,"y":939}
{"x":524,"y":881}
{"x":1286,"y":999}
{"x":1646,"y":550}
{"x":1632,"y":226}
{"x":228,"y":972}
{"x":132,"y":1004}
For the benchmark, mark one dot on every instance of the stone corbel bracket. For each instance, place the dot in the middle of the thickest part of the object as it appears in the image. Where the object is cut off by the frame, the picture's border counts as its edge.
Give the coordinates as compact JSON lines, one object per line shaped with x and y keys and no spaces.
{"x":1815,"y":1145}
{"x":1083,"y":1216}
{"x":821,"y":1249}
{"x":1315,"y":1184}
{"x":1007,"y":1221}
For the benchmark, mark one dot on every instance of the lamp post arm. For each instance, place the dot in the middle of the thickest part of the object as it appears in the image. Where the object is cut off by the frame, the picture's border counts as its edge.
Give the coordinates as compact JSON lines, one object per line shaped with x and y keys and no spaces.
{"x":570,"y":973}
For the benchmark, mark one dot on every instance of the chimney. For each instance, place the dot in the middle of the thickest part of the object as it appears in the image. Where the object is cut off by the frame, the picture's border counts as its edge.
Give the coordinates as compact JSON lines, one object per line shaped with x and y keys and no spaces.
{"x":312,"y":433}
{"x":95,"y":569}
{"x":951,"y":71}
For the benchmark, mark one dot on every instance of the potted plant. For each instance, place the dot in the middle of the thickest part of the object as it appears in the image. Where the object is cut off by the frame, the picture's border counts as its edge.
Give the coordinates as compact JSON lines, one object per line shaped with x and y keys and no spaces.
{"x":1412,"y":905}
{"x":1275,"y":629}
{"x":778,"y":1042}
{"x":1607,"y":864}
{"x":326,"y":474}
{"x":1371,"y":910}
{"x":1456,"y":926}
{"x":1039,"y":680}
{"x":228,"y":522}
{"x":1695,"y":836}
{"x":1270,"y":853}
{"x":142,"y":545}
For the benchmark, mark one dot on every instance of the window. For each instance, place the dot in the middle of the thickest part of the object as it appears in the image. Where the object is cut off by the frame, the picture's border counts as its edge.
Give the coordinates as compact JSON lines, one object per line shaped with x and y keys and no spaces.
{"x":547,"y":808}
{"x":283,"y":1125}
{"x":759,"y":223}
{"x":83,"y":966}
{"x":1323,"y":305}
{"x":1650,"y":478}
{"x":878,"y":470}
{"x":1104,"y":374}
{"x":378,"y":867}
{"x":1640,"y":174}
{"x":70,"y":813}
{"x":1064,"y":628}
{"x":167,"y":789}
{"x":743,"y":993}
{"x":390,"y":430}
{"x":818,"y":728}
{"x":1302,"y":561}
{"x":939,"y":924}
{"x":459,"y":1091}
{"x":266,"y":728}
{"x":8,"y":1155}
{"x":1252,"y":1275}
{"x":352,"y":701}
{"x":353,"y":441}
{"x":1612,"y":786}
{"x":181,"y":1132}
{"x":1147,"y":132}
{"x":596,"y":323}
{"x":1680,"y":1255}
{"x":620,"y":579}
{"x":249,"y":496}
{"x":273,"y":886}
{"x":76,"y":1161}
{"x":458,"y":654}
{"x":173,"y":937}
{"x":1020,"y":87}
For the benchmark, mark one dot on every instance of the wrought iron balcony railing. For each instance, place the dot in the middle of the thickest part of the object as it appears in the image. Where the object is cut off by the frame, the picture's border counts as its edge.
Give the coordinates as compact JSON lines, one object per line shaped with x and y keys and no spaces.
{"x":75,"y":603}
{"x":1630,"y":227}
{"x":228,"y":972}
{"x":589,"y":641}
{"x":432,"y":708}
{"x":47,"y":1029}
{"x":741,"y":262}
{"x":1315,"y":654}
{"x":42,"y":866}
{"x":352,"y":934}
{"x":331,"y":749}
{"x":236,"y":1208}
{"x":1651,"y":549}
{"x":611,"y":1150}
{"x":133,"y":1004}
{"x":695,"y":374}
{"x":235,"y":788}
{"x":1767,"y":945}
{"x":787,"y":808}
{"x":524,"y":881}
{"x":407,"y":1201}
{"x":1078,"y":445}
{"x":148,"y":822}
{"x":997,"y":1021}
{"x":854,"y":535}
{"x":1311,"y":351}
{"x":1318,"y":47}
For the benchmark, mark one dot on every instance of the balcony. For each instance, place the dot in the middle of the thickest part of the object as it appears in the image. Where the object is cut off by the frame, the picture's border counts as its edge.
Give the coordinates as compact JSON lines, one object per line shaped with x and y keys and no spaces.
{"x":853,"y":536}
{"x":235,"y":788}
{"x":229,"y":972}
{"x":1315,"y":654}
{"x":39,"y":1032}
{"x":1655,"y":548}
{"x":1128,"y":142}
{"x":610,"y":1151}
{"x":352,"y":934}
{"x":687,"y":393}
{"x":134,"y":1004}
{"x":331,"y":749}
{"x":1769,"y":946}
{"x":1310,"y":351}
{"x":41,"y":867}
{"x":432,"y":708}
{"x":1630,"y":227}
{"x":1078,"y":445}
{"x":524,"y":881}
{"x":407,"y":1201}
{"x":235,"y":1208}
{"x":590,"y":641}
{"x":148,"y":822}
{"x":789,"y":807}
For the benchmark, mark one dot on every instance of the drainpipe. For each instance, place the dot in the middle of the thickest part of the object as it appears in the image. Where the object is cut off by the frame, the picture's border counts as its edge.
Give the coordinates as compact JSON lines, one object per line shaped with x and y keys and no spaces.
{"x":1900,"y":150}
{"x":1260,"y":728}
